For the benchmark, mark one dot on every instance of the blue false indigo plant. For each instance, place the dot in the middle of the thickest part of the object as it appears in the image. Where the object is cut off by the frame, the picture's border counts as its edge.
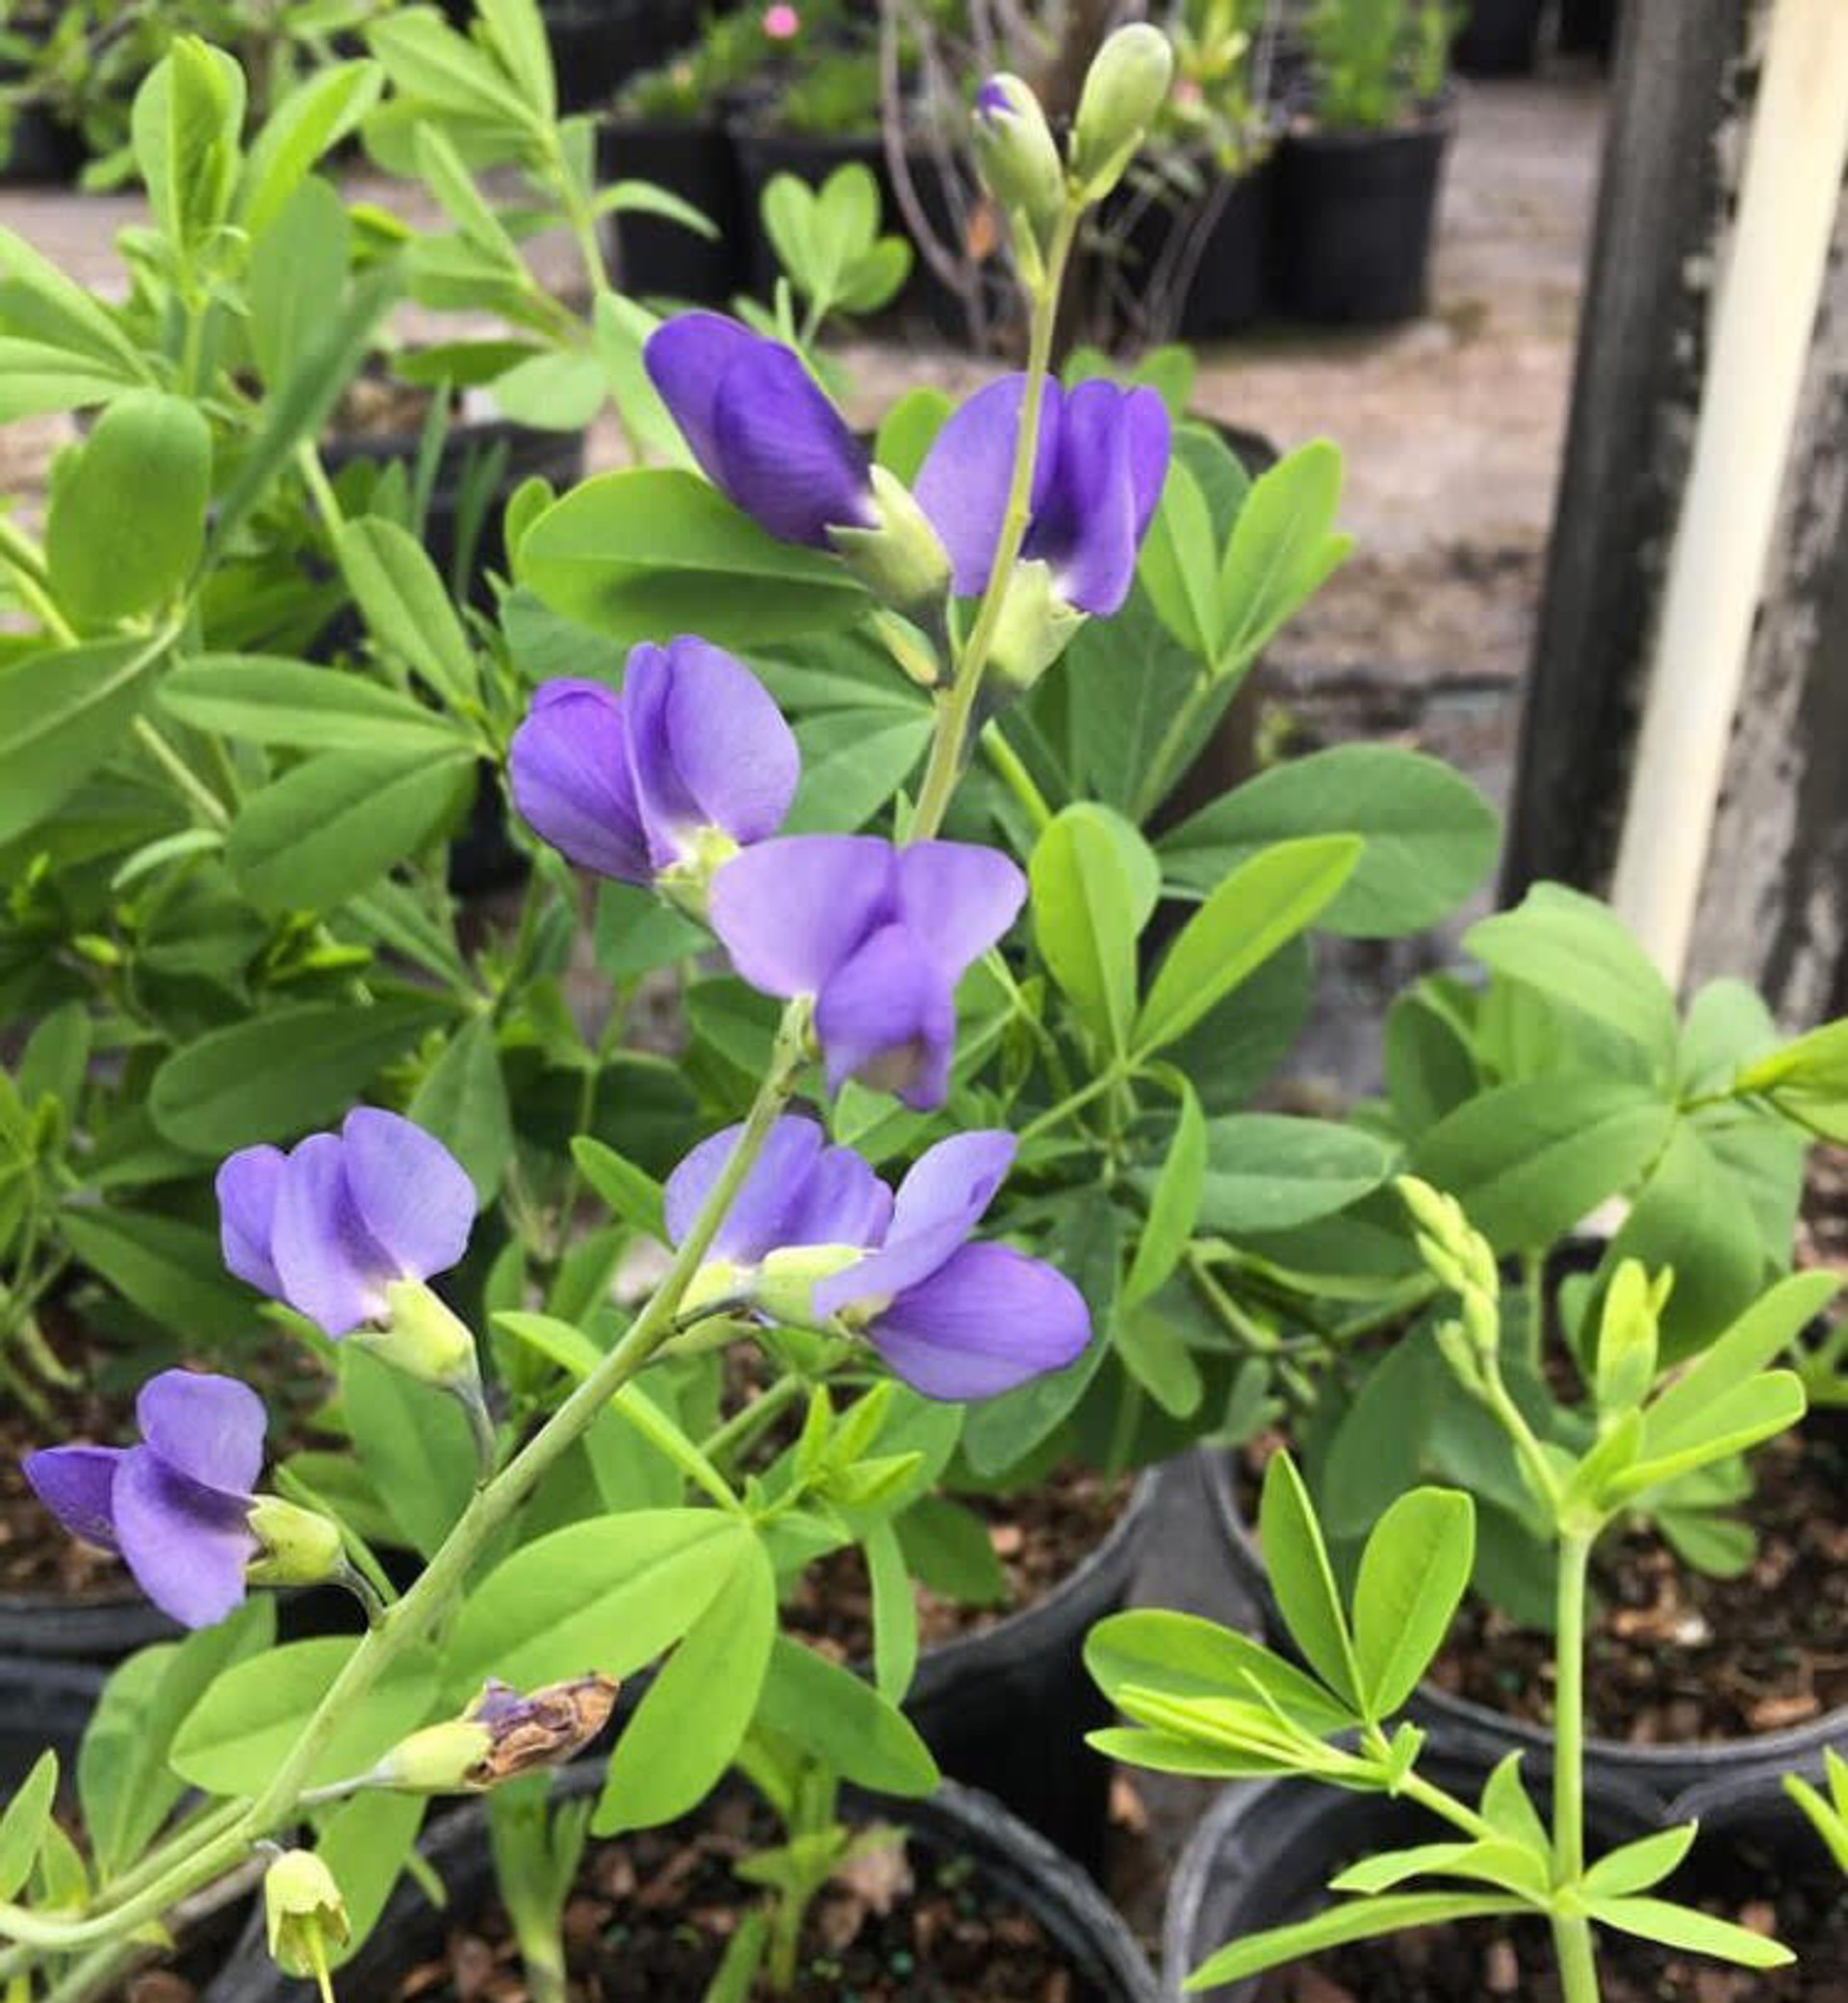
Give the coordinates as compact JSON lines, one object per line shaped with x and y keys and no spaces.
{"x":1204,"y":1700}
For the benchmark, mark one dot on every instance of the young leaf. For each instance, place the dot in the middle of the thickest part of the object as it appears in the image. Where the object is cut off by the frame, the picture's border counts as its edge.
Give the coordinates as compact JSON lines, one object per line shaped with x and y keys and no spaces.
{"x":894,"y":1610}
{"x":1084,"y":923}
{"x":406,"y":605}
{"x":1185,"y":1655}
{"x":1179,"y":565}
{"x":1752,"y":1411}
{"x":1254,"y":911}
{"x":1508,"y":1807}
{"x":1173,"y":1204}
{"x":631,"y":1192}
{"x":1355,"y":1919}
{"x":24,"y":1822}
{"x":1762,"y":1334}
{"x":838,"y":1719}
{"x":1681,"y":1926}
{"x":1304,"y":1581}
{"x":1513,"y":1866}
{"x":415,"y":1447}
{"x":1636,"y":1866}
{"x":1412,"y":1577}
{"x":1169,"y":1753}
{"x":64,"y":711}
{"x":1284,"y":546}
{"x":463,"y":1101}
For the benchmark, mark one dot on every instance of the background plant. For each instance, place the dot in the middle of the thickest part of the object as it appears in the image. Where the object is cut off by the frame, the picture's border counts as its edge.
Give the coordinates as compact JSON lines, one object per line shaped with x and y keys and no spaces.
{"x":1375,"y":62}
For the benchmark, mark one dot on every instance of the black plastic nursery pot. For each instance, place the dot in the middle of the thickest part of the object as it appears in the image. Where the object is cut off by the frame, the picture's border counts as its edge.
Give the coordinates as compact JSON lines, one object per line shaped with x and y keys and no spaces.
{"x":955,"y":1826}
{"x":1501,"y":38}
{"x":598,"y":45}
{"x":1230,"y":286}
{"x":43,"y":1703}
{"x":1664,"y":1771}
{"x":42,"y":151}
{"x":1354,"y":220}
{"x":59,"y":1631}
{"x":1588,"y":28}
{"x":1007,"y":1707}
{"x":1265,"y":1852}
{"x":653,"y":257}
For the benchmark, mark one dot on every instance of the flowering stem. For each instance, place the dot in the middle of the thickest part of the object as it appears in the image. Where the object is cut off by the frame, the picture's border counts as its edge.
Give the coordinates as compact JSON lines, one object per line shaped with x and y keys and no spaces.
{"x":957,"y":711}
{"x":1571,"y":1935}
{"x":411,"y":1618}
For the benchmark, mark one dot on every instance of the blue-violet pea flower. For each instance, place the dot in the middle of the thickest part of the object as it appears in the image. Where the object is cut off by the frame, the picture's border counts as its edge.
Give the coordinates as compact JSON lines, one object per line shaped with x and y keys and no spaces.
{"x":343,"y":1224}
{"x":762,"y":430}
{"x":815,"y":1236}
{"x":178,"y":1507}
{"x":877,"y":935}
{"x":663,"y":782}
{"x":1098,"y":472}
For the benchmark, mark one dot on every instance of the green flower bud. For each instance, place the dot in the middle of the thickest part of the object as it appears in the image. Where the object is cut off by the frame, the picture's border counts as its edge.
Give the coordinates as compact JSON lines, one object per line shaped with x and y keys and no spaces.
{"x":1019,"y":159}
{"x":300,"y":1547}
{"x":786,"y":1280}
{"x":503,"y":1733}
{"x":443,"y":1758}
{"x":1628,"y":1340}
{"x":1034,"y":628}
{"x":902,"y":561}
{"x":1124,"y":89}
{"x":304,"y":1915}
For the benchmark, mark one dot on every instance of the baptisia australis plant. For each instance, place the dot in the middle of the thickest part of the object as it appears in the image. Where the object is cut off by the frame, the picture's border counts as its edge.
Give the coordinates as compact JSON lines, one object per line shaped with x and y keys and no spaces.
{"x":1204,"y":1700}
{"x":603,"y":1524}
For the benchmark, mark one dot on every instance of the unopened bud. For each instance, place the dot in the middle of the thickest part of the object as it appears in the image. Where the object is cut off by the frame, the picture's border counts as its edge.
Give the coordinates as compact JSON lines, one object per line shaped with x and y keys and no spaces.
{"x":900,"y":560}
{"x":304,"y":1916}
{"x":1020,"y":158}
{"x":1627,"y":1339}
{"x":300,"y":1547}
{"x":1124,"y":89}
{"x":502,"y":1733}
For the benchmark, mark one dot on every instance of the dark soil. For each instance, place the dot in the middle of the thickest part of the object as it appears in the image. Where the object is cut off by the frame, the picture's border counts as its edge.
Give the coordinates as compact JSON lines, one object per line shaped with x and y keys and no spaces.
{"x":1676,"y":1656}
{"x":1041,"y":1537}
{"x":652,"y":1913}
{"x":1807,"y":1913}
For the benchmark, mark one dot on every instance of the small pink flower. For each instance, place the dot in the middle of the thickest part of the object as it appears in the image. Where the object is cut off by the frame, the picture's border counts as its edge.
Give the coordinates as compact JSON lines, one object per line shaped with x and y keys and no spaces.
{"x":1187,"y":91}
{"x":782,"y":22}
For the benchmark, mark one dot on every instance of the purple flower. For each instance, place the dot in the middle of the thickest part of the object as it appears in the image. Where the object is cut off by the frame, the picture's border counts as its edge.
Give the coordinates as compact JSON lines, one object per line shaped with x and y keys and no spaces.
{"x":176,"y":1508}
{"x":341,"y":1218}
{"x":692,"y":754}
{"x":879,"y":936}
{"x":954,"y":1321}
{"x":763,"y":430}
{"x":1101,"y":460}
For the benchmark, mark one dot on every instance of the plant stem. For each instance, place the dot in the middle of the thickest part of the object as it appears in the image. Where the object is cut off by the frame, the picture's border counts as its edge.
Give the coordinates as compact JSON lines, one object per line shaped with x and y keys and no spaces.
{"x":725,"y":1441}
{"x":956,"y":712}
{"x":1572,"y":1936}
{"x":211,"y":810}
{"x":1007,"y":761}
{"x":1055,"y":1116}
{"x":407,"y":1621}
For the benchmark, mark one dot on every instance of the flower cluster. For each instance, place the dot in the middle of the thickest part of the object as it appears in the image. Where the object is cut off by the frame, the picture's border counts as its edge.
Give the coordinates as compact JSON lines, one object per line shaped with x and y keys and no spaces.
{"x":815,"y":1237}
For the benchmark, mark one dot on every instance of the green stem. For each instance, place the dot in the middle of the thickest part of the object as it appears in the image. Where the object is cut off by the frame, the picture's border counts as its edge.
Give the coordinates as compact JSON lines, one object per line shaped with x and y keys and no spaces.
{"x":1056,"y":1115}
{"x":1572,"y":1936}
{"x":212,"y":810}
{"x":1155,"y":787}
{"x":956,"y":712}
{"x":412,"y":1617}
{"x":1007,"y":763}
{"x":720,"y":1446}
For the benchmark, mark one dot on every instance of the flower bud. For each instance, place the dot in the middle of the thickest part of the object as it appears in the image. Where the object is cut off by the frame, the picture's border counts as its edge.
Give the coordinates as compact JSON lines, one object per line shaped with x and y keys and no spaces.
{"x":304,"y":1915}
{"x":425,"y":1339}
{"x":1019,"y":160}
{"x":503,"y":1733}
{"x":1124,"y":89}
{"x":1627,"y":1339}
{"x":300,"y":1547}
{"x":901,"y":560}
{"x":1035,"y":628}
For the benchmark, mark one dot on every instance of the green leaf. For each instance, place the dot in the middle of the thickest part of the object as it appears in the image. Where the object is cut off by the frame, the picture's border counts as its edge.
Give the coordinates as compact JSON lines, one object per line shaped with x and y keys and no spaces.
{"x":296,"y":265}
{"x":1258,"y":907}
{"x":1377,"y":1449}
{"x":428,"y":58}
{"x":1354,"y":1919}
{"x":608,"y":1594}
{"x":1509,"y":1809}
{"x":126,"y":519}
{"x":908,"y":429}
{"x":24,"y":1821}
{"x":406,"y":605}
{"x":1756,"y":1410}
{"x":172,"y":1270}
{"x":279,"y":1075}
{"x":63,"y":711}
{"x":245,"y":1725}
{"x":852,"y":762}
{"x":1636,"y":1866}
{"x":185,"y":123}
{"x":124,"y":1781}
{"x":631,"y":1192}
{"x":840,"y":1719}
{"x":463,"y":1101}
{"x":1270,"y":1172}
{"x":1688,"y":1409}
{"x":1183,"y":1656}
{"x":366,"y":1844}
{"x":650,"y":552}
{"x":269,"y":700}
{"x":1511,"y":1865}
{"x":948,"y":1549}
{"x":1412,"y":1577}
{"x":1304,"y":1581}
{"x":1681,"y":1926}
{"x":1807,"y":1080}
{"x":1180,"y":565}
{"x":315,"y":114}
{"x":1174,"y":1203}
{"x":339,"y":821}
{"x":1166,"y":1753}
{"x":1085,"y":923}
{"x":1430,"y":836}
{"x":894,"y":1610}
{"x":693,"y":1719}
{"x":1283,"y":549}
{"x":414,"y":1444}
{"x":1576,"y":951}
{"x":1528,"y":1161}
